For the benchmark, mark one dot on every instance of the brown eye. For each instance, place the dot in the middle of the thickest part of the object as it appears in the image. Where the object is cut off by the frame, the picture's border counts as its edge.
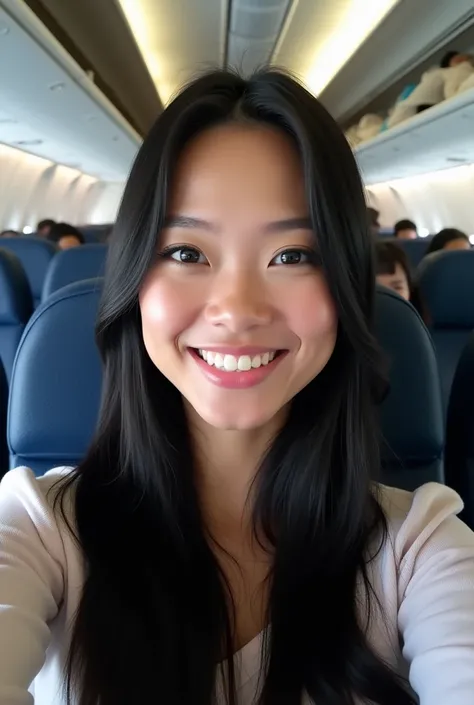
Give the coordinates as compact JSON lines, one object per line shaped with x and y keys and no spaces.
{"x":292,"y":257}
{"x":184,"y":255}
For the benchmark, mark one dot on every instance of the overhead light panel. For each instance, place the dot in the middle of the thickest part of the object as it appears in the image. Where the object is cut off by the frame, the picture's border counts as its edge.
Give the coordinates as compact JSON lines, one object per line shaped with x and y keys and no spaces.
{"x":135,"y":14}
{"x":356,"y":20}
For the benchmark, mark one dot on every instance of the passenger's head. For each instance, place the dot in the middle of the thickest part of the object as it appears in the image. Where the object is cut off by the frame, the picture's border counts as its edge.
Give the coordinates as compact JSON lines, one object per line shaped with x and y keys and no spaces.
{"x":449,"y":239}
{"x":373,"y":217}
{"x":406,"y":230}
{"x":241,"y":242}
{"x":65,"y":236}
{"x":454,"y":58}
{"x":9,"y":233}
{"x":44,"y":227}
{"x":393,"y":268}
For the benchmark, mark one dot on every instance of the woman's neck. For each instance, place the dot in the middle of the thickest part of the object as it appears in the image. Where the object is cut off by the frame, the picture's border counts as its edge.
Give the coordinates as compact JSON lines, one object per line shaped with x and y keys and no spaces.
{"x":226,"y":465}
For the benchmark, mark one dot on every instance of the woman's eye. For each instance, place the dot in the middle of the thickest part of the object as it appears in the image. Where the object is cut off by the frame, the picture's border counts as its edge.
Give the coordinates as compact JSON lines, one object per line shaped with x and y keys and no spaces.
{"x":185,"y":255}
{"x":295,"y":257}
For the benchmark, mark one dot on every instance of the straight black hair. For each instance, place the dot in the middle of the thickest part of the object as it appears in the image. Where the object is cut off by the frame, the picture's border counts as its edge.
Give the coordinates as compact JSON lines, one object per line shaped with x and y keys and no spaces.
{"x":155,"y":617}
{"x":404,"y":225}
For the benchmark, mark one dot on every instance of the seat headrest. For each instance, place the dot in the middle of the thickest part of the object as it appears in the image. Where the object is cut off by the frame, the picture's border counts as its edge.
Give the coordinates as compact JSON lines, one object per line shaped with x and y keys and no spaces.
{"x":35,"y":255}
{"x":415,"y":250}
{"x":412,"y":416}
{"x":446,"y":282}
{"x":75,"y":264}
{"x":56,"y":380}
{"x":16,"y":302}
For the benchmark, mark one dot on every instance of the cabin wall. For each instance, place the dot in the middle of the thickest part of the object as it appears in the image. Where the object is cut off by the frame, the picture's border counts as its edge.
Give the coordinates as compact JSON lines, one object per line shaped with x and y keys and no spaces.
{"x":433,"y":201}
{"x":33,"y":188}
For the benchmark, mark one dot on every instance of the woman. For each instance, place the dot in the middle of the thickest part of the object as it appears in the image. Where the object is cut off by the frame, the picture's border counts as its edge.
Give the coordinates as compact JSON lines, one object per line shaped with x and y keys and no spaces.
{"x":223,"y":540}
{"x":449,"y":239}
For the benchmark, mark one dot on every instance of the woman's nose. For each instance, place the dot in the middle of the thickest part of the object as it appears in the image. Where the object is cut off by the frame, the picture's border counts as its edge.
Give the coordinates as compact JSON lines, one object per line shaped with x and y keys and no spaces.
{"x":239,"y":302}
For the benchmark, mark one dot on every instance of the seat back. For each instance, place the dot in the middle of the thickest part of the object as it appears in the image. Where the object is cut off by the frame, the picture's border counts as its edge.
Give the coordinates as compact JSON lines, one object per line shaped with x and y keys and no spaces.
{"x":56,"y":381}
{"x":415,"y":250}
{"x":75,"y":264}
{"x":16,"y":307}
{"x":95,"y":233}
{"x":460,"y":432}
{"x":411,"y":415}
{"x":446,"y":281}
{"x":35,"y":255}
{"x":3,"y":421}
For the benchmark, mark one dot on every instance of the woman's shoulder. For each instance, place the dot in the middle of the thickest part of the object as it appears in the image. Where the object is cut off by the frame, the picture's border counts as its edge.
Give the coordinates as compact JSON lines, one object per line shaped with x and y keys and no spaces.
{"x":423,"y":522}
{"x":30,"y":499}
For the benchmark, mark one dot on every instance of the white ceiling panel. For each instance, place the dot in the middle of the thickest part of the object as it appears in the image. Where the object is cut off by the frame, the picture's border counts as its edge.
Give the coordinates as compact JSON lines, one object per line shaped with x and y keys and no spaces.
{"x":53,"y":111}
{"x":439,"y":138}
{"x":178,"y":38}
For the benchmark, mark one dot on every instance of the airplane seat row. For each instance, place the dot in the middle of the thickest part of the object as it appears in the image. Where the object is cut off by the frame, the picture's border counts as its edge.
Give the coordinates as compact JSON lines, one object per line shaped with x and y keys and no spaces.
{"x":56,"y":381}
{"x":48,"y":269}
{"x":411,"y":415}
{"x":460,"y":432}
{"x":446,"y":281}
{"x":75,"y":264}
{"x":415,"y":250}
{"x":16,"y":307}
{"x":55,"y":389}
{"x":35,"y":255}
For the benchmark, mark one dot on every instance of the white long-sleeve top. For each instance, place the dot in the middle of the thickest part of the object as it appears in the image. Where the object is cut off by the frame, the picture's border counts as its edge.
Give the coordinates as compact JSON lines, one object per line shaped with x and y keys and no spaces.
{"x":423,"y":577}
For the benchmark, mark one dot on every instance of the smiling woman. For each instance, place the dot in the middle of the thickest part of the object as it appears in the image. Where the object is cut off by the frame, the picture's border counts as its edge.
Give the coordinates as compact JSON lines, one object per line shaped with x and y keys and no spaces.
{"x":224,"y":541}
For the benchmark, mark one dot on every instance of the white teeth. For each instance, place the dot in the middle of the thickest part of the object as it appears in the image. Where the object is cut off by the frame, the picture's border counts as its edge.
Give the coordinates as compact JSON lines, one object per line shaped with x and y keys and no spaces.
{"x":219,"y":361}
{"x":244,"y":363}
{"x":256,"y":361}
{"x":231,"y":363}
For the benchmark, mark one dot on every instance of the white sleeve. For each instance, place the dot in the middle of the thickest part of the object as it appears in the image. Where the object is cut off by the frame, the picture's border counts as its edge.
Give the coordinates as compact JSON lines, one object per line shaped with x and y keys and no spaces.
{"x":31,"y":583}
{"x":436,"y":612}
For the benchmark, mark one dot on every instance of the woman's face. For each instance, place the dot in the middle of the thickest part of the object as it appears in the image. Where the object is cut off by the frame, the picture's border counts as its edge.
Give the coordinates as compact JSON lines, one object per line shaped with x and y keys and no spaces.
{"x":236,"y":312}
{"x":397,"y":281}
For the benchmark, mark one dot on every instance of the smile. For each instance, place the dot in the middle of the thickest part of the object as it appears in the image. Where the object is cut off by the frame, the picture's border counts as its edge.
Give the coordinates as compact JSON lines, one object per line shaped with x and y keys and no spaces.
{"x":232,"y":363}
{"x":233,"y":371}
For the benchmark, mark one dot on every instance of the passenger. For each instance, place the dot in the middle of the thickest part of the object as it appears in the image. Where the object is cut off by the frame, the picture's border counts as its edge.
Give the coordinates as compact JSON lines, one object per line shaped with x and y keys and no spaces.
{"x":223,"y":541}
{"x":374,"y":224}
{"x":66,"y":236}
{"x":44,"y":227}
{"x":393,"y":269}
{"x":449,"y":239}
{"x":10,"y":233}
{"x":453,"y":58}
{"x":405,"y":230}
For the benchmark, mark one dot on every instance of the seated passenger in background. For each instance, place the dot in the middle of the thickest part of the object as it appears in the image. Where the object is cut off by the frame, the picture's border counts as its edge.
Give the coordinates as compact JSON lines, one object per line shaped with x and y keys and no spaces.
{"x":65,"y":236}
{"x":406,"y":230}
{"x":10,"y":233}
{"x":449,"y":239}
{"x":393,"y":270}
{"x":44,"y":227}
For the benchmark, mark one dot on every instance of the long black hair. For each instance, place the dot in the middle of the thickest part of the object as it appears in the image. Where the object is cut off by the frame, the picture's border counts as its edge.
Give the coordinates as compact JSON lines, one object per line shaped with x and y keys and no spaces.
{"x":155,"y":618}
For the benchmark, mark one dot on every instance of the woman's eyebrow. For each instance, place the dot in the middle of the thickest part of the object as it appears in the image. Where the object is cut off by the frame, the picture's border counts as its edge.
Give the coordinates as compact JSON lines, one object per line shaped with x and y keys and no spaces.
{"x":277,"y":226}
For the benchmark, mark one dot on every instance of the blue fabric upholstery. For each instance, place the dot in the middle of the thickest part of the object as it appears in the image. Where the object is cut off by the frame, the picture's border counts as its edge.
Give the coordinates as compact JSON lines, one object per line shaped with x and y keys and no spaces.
{"x":16,"y":307}
{"x":75,"y":264}
{"x":415,"y":250}
{"x":35,"y":255}
{"x":95,"y":233}
{"x":412,"y":418}
{"x":56,"y":382}
{"x":460,"y":432}
{"x":3,"y":421}
{"x":446,"y":282}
